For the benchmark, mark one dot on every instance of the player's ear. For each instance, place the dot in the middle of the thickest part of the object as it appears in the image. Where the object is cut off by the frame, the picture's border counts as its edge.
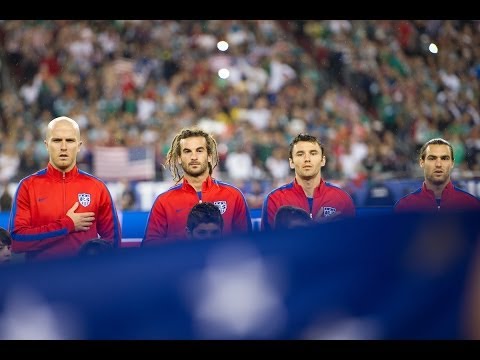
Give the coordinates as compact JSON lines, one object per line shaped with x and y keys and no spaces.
{"x":188,"y":232}
{"x":292,"y":166}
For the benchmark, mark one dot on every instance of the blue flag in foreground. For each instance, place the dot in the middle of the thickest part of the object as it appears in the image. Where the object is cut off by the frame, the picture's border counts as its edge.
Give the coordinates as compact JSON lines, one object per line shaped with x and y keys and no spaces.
{"x":375,"y":277}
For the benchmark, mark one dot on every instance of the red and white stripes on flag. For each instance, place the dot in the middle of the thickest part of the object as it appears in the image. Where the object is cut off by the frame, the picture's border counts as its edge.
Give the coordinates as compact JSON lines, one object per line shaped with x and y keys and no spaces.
{"x":113,"y":163}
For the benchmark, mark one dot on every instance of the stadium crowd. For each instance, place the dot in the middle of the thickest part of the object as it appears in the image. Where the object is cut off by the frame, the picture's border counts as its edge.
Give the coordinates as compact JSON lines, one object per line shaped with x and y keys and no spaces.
{"x":373,"y":91}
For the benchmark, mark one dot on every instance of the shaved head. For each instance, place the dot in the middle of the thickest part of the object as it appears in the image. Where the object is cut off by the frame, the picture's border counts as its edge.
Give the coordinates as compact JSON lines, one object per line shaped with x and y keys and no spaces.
{"x":63,"y":143}
{"x":62,"y":119}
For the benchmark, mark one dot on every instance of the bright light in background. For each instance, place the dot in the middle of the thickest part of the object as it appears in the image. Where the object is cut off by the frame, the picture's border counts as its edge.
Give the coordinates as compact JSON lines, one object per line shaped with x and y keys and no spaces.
{"x":222,"y":45}
{"x":433,"y":48}
{"x":223,"y":73}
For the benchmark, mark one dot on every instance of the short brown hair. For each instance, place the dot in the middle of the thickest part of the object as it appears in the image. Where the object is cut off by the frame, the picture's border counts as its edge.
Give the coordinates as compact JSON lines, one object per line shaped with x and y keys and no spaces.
{"x":304,"y":137}
{"x":436,"y":141}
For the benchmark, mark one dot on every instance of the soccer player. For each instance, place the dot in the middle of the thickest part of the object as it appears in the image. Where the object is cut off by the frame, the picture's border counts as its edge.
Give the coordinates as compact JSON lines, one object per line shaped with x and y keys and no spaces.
{"x":194,"y":152}
{"x":308,"y":191}
{"x":437,"y":192}
{"x":57,"y":209}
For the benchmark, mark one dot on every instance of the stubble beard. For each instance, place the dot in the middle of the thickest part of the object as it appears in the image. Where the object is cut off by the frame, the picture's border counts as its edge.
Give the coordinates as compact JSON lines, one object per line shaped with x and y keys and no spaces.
{"x":196,"y":173}
{"x":439,"y":181}
{"x":304,"y":176}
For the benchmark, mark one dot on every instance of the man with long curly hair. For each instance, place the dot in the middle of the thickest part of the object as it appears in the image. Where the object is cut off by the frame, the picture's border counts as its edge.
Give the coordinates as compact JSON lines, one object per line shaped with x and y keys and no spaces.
{"x":191,"y":159}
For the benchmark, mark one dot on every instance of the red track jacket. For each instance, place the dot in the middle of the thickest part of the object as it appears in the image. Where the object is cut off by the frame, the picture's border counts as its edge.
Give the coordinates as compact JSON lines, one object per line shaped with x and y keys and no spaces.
{"x":326,"y":195}
{"x":422,"y":199}
{"x":38,"y":221}
{"x":168,"y":216}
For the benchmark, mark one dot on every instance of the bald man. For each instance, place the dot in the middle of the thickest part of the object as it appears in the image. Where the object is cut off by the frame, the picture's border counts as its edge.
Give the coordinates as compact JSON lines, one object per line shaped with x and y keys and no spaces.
{"x":57,"y":209}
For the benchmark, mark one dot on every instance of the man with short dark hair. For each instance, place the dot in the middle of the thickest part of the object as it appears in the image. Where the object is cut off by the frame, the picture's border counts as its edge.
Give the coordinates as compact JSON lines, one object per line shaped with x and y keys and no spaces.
{"x":437,"y":192}
{"x":308,"y":191}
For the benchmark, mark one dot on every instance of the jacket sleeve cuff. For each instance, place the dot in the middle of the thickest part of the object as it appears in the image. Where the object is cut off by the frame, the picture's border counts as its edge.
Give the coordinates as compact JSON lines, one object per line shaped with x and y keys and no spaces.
{"x":69,"y":224}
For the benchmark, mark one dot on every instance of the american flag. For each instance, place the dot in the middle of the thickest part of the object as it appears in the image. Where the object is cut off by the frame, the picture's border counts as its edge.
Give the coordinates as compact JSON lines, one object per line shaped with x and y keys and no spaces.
{"x":120,"y":162}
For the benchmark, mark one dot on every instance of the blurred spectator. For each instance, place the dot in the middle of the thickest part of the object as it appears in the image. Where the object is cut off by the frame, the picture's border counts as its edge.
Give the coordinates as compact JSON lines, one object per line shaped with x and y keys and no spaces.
{"x":6,"y":198}
{"x":128,"y":198}
{"x":255,"y":195}
{"x":239,"y":164}
{"x":5,"y":246}
{"x":277,"y":164}
{"x":9,"y":161}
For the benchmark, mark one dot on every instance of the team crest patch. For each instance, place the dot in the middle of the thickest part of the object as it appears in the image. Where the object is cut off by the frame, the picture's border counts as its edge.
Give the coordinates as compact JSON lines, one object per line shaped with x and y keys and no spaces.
{"x":84,"y":199}
{"x":329,"y":211}
{"x":222,"y":205}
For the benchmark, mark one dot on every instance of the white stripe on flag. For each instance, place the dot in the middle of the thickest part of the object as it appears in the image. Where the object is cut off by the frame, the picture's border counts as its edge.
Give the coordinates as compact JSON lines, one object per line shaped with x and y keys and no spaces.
{"x":119,"y":162}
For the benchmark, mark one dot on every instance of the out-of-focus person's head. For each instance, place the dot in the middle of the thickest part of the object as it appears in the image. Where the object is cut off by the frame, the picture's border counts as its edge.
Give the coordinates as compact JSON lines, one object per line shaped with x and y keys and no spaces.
{"x":5,"y":246}
{"x":95,"y":247}
{"x":306,"y":156}
{"x":194,"y":151}
{"x":204,"y":221}
{"x":437,"y":160}
{"x":291,"y":217}
{"x":63,"y":142}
